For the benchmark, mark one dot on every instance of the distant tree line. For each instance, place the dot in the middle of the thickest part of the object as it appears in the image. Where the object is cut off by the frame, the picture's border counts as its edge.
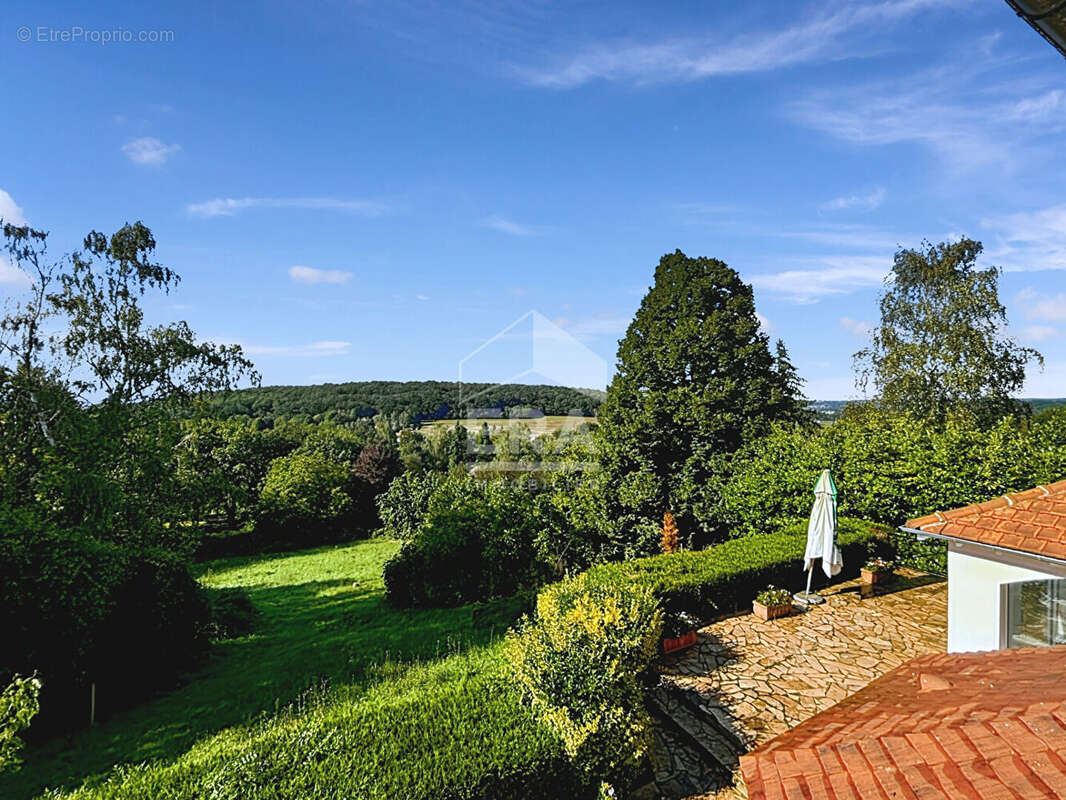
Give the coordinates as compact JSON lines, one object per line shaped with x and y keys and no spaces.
{"x":405,"y":402}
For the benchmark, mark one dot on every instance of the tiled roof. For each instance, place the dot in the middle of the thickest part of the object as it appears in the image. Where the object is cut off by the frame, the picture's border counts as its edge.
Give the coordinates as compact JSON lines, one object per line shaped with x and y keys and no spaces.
{"x":964,"y":725}
{"x":1033,"y":521}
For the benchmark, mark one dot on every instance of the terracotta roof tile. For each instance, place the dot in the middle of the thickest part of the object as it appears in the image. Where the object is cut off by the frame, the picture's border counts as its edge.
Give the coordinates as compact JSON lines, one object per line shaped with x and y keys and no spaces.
{"x":1033,"y":521}
{"x":995,"y":727}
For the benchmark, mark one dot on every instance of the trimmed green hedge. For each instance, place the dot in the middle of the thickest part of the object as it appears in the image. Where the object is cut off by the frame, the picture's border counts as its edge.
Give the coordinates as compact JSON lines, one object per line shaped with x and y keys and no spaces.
{"x":727,"y":577}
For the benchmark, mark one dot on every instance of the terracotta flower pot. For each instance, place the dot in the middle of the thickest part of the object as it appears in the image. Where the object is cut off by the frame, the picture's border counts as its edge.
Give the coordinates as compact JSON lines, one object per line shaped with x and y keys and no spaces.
{"x":871,"y":577}
{"x":770,"y":612}
{"x":673,"y":645}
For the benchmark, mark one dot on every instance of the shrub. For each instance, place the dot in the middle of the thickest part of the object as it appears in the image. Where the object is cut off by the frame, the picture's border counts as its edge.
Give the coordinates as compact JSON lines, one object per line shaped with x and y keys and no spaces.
{"x":404,"y":505}
{"x":19,"y":704}
{"x":579,"y":659}
{"x":727,"y":577}
{"x":483,"y":545}
{"x":307,"y":494}
{"x":78,"y":610}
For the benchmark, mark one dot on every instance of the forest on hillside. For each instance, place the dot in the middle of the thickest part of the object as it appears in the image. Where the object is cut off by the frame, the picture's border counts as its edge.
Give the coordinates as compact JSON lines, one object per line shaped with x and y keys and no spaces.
{"x":413,"y":401}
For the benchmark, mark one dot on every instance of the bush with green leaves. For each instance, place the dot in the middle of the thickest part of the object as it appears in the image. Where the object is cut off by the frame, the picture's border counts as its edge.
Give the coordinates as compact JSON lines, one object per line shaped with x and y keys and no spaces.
{"x":306,"y":494}
{"x":403,"y":506}
{"x":480,"y":544}
{"x":81,"y":611}
{"x":19,"y":704}
{"x":579,"y":659}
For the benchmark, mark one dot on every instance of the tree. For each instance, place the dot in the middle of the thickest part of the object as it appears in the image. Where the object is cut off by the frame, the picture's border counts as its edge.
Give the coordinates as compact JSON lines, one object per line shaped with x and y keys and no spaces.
{"x":941,"y":346}
{"x":89,"y":394}
{"x":695,"y":379}
{"x":19,"y":704}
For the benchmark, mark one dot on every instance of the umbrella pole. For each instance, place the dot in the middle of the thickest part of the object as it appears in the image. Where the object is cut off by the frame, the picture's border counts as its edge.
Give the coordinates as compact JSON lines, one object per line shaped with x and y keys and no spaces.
{"x":808,"y":598}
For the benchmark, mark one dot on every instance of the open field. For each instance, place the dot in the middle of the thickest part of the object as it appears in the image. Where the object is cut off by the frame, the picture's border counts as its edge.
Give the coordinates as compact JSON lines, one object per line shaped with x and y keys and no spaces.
{"x":323,"y":619}
{"x":537,"y":425}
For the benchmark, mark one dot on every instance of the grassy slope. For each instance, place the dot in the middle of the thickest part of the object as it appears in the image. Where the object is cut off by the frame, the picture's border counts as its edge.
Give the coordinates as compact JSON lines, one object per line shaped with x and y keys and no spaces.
{"x":322,"y":618}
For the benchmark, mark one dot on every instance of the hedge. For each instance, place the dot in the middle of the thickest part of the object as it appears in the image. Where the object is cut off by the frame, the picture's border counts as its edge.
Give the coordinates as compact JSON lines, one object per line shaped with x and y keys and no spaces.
{"x":726,"y":577}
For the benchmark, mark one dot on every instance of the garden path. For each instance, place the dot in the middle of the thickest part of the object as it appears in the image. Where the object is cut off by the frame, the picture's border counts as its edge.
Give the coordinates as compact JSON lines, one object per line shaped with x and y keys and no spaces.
{"x":746,"y":681}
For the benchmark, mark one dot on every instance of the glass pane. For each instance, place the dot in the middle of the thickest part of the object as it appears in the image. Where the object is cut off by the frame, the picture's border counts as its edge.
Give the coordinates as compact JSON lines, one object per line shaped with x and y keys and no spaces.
{"x":1036,"y":613}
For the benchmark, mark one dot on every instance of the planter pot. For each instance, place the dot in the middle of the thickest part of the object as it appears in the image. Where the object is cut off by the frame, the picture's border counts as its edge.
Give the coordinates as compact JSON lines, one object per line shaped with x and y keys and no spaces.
{"x":871,"y":577}
{"x":682,"y":642}
{"x":770,"y":612}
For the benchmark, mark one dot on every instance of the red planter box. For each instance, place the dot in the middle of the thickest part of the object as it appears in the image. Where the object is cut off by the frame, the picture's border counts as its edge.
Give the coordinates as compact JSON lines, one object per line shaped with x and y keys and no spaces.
{"x":770,"y":612}
{"x":680,"y":643}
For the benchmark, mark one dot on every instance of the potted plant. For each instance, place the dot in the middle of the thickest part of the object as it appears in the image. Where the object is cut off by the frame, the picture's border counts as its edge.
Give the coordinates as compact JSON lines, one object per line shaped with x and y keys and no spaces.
{"x":772,"y":603}
{"x":877,"y":570}
{"x":679,"y":632}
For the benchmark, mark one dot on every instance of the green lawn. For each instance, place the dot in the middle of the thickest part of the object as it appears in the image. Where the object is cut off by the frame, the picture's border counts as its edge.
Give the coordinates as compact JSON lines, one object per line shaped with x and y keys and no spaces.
{"x":322,"y":618}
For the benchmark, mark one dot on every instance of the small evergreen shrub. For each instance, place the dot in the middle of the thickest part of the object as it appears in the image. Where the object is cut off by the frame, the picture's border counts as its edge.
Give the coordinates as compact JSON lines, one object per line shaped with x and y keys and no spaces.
{"x":579,"y":659}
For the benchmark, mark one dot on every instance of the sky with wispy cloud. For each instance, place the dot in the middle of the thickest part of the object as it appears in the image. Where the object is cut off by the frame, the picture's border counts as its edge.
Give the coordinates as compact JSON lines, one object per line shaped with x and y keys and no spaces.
{"x":374,"y":189}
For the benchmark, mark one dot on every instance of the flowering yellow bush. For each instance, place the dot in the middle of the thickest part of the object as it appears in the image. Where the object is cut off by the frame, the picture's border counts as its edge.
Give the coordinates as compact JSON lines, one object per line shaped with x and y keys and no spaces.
{"x":580,"y":659}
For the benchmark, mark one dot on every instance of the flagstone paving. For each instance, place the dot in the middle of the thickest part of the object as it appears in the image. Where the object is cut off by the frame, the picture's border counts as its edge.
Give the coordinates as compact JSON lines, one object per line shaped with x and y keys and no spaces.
{"x":746,"y":680}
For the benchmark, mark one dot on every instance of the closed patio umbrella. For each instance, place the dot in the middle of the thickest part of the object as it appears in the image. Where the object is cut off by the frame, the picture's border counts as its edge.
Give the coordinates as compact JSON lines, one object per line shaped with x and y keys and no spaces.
{"x":821,"y":537}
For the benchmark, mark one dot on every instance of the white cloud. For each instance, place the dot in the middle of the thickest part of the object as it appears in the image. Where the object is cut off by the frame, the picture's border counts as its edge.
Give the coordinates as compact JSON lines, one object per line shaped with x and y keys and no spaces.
{"x":310,"y":275}
{"x":839,"y":275}
{"x":964,"y":112}
{"x":324,"y":348}
{"x":858,"y":327}
{"x":9,"y":211}
{"x":1028,"y":241}
{"x":764,"y":323}
{"x":12,"y":276}
{"x":149,"y":150}
{"x":1038,"y":333}
{"x":421,"y":297}
{"x":862,"y":202}
{"x":230,"y":206}
{"x":817,"y":38}
{"x":510,"y":227}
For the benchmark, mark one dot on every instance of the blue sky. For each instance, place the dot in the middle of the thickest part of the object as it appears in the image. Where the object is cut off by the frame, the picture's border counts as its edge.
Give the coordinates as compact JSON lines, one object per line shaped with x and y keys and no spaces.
{"x":361,"y":190}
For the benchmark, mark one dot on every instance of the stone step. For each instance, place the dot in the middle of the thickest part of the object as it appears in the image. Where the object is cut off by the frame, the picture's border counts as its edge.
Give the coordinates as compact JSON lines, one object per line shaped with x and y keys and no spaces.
{"x":701,"y":727}
{"x":699,"y":759}
{"x":714,"y":717}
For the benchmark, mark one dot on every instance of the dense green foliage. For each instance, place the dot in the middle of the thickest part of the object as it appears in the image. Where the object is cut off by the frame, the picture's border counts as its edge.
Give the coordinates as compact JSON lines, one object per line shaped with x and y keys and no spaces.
{"x":727,"y":577}
{"x":419,"y":704}
{"x":410,"y":402}
{"x":891,"y":467}
{"x":579,"y":659}
{"x":94,"y":585}
{"x":482,"y":543}
{"x":941,"y":346}
{"x":19,"y":704}
{"x":79,"y":610}
{"x":696,"y":379}
{"x":305,"y":492}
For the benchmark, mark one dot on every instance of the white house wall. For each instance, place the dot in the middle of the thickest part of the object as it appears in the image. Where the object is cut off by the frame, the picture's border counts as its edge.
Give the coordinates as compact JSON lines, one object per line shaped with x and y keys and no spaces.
{"x":975,"y":579}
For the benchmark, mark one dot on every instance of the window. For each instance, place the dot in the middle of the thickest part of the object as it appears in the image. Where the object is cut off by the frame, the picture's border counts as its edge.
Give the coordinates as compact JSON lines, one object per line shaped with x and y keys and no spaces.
{"x":1035,"y":613}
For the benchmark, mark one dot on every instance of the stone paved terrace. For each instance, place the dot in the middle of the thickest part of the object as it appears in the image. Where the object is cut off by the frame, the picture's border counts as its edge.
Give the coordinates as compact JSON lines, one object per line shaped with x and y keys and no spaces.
{"x":746,"y":680}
